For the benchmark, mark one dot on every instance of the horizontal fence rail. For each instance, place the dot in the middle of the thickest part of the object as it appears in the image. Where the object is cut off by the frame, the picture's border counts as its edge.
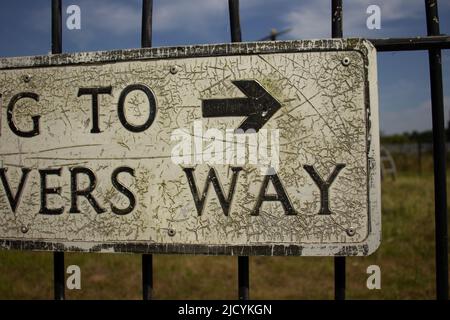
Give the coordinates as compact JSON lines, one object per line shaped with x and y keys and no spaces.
{"x":407,"y":44}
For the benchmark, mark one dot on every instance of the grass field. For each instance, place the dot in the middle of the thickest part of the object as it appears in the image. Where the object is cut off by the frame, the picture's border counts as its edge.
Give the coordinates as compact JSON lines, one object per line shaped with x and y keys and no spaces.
{"x":406,"y":259}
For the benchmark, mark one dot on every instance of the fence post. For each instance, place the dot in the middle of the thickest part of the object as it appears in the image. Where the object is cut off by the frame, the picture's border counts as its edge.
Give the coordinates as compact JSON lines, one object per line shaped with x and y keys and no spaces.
{"x":58,"y":257}
{"x":56,"y":27}
{"x":439,"y":155}
{"x":235,"y":24}
{"x":243,"y":262}
{"x":146,"y":41}
{"x":336,"y":19}
{"x":146,"y":30}
{"x":339,"y":262}
{"x":147,"y":277}
{"x":419,"y":154}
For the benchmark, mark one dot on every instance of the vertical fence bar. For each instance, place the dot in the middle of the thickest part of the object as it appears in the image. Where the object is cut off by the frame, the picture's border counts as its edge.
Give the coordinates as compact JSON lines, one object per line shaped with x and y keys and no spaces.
{"x":235,"y":23}
{"x":146,"y":31}
{"x":58,"y":275}
{"x":336,"y":19}
{"x":146,"y":42}
{"x":56,"y":27}
{"x":243,"y":278}
{"x":339,"y":262}
{"x":147,"y":276}
{"x":439,"y":155}
{"x":58,"y":257}
{"x":339,"y":278}
{"x":243,"y":262}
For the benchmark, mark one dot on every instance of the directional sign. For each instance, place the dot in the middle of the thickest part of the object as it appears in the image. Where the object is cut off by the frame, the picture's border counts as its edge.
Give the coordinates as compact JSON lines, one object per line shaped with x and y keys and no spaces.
{"x":267,"y":148}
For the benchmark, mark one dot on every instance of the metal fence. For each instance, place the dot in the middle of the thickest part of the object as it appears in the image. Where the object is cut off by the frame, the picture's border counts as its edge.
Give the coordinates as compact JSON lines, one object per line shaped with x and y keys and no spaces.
{"x":433,"y":42}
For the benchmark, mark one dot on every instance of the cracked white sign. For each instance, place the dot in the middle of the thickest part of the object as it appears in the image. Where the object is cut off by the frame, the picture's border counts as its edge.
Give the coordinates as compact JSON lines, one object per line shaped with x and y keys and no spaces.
{"x":86,"y":150}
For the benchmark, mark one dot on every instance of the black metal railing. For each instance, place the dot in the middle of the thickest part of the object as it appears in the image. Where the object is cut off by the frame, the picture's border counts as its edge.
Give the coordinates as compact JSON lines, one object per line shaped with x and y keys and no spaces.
{"x":58,"y":257}
{"x":433,"y":42}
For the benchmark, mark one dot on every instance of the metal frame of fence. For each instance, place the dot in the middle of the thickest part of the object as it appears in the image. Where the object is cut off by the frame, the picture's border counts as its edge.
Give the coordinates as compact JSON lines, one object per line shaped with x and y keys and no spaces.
{"x":433,"y":42}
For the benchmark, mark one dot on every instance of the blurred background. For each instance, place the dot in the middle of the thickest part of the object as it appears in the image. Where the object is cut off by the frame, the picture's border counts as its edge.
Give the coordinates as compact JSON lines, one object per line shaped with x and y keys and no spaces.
{"x":406,"y":255}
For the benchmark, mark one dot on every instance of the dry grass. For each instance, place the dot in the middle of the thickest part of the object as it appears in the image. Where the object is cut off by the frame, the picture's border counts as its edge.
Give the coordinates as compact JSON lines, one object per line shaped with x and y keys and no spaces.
{"x":406,"y":258}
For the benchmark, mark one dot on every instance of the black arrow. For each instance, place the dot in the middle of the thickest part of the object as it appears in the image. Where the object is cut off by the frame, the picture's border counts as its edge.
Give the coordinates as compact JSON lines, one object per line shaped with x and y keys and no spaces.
{"x":259,"y":106}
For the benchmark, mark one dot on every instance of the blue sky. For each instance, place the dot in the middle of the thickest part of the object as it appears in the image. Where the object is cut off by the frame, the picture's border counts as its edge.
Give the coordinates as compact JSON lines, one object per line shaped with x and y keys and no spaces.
{"x":115,"y":24}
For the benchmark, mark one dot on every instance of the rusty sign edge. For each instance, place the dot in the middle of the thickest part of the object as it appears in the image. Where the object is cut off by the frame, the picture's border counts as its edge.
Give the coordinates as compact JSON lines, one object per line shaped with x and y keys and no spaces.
{"x":191,"y":51}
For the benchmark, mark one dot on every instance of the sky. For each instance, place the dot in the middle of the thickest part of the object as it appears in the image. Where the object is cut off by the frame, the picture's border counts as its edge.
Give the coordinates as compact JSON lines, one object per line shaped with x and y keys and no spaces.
{"x":404,"y":91}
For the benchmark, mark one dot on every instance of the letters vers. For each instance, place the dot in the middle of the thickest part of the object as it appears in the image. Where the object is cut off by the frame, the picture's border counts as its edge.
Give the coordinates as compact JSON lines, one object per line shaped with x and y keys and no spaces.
{"x":225,"y":200}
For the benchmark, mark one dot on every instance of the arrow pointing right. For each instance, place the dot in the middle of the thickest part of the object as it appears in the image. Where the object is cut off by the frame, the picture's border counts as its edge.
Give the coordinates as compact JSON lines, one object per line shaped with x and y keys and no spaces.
{"x":259,"y":105}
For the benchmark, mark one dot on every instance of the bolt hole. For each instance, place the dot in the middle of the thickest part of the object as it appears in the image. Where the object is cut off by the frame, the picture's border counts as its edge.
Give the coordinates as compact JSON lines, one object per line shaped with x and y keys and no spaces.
{"x":173,"y":69}
{"x":346,"y":61}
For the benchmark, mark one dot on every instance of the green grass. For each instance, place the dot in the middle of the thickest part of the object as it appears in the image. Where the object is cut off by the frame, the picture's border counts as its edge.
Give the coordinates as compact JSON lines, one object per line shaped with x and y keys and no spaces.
{"x":406,"y":259}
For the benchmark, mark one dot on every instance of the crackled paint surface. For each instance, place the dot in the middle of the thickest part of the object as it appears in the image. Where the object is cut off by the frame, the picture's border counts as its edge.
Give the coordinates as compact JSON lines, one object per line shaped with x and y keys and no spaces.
{"x":328,"y":116}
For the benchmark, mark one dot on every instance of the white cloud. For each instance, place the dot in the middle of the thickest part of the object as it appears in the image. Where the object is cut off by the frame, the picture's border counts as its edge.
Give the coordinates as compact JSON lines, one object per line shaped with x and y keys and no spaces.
{"x":123,"y":18}
{"x":417,"y":118}
{"x":194,"y":14}
{"x":117,"y":18}
{"x":312,"y":19}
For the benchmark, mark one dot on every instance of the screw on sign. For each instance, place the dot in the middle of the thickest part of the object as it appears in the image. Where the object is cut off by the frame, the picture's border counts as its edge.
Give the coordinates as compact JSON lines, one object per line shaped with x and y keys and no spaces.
{"x":101,"y":150}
